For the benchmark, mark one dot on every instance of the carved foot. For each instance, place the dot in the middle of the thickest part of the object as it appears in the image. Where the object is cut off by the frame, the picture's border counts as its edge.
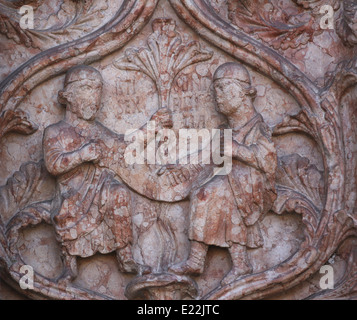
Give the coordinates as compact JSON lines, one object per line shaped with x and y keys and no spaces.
{"x":127,"y":264}
{"x":132,"y":267}
{"x":143,"y":269}
{"x":235,"y":273}
{"x":195,"y":264}
{"x":186,"y":268}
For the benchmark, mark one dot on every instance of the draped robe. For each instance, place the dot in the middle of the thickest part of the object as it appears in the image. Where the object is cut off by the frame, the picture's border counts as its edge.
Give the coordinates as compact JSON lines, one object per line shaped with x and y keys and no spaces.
{"x":82,"y":211}
{"x":227,"y":209}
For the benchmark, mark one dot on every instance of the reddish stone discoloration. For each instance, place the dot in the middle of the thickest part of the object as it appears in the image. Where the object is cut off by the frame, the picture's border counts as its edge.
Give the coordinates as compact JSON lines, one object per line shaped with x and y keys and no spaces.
{"x":201,"y":195}
{"x":310,"y":113}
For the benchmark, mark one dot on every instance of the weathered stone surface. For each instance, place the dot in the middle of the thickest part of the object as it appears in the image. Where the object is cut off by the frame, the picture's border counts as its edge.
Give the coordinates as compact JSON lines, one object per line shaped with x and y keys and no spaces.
{"x":94,"y":220}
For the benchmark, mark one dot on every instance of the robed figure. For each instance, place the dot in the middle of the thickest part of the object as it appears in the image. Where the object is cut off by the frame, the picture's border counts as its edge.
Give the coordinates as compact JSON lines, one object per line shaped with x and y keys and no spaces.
{"x":226,"y":211}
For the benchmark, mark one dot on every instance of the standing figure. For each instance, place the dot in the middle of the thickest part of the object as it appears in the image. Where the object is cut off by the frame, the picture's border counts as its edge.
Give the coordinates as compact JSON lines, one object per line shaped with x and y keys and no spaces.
{"x":92,"y":209}
{"x":225,"y":212}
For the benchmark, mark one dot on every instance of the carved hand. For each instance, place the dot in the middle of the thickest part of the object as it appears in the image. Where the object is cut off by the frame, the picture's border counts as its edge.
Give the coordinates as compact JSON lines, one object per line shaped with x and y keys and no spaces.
{"x":91,"y":152}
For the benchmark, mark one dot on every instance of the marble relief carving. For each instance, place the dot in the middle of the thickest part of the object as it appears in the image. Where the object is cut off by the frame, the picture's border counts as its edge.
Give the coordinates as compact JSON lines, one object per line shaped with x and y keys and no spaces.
{"x":102,"y":200}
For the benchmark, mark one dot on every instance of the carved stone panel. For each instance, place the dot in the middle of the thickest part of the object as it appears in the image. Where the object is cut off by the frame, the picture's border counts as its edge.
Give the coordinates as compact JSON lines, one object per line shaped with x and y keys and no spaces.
{"x":180,"y":149}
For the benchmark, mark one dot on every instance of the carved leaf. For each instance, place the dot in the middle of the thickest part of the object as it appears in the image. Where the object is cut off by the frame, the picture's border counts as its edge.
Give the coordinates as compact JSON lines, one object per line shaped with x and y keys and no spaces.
{"x":13,"y":31}
{"x":14,"y":196}
{"x":70,"y":21}
{"x":31,"y":215}
{"x":271,"y":23}
{"x":346,"y":23}
{"x":300,"y":122}
{"x":164,"y":57}
{"x":296,"y":173}
{"x":299,"y":187}
{"x":20,"y":188}
{"x":16,"y":121}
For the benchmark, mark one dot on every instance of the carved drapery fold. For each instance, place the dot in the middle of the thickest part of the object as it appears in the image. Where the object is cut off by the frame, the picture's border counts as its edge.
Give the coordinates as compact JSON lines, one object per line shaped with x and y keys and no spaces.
{"x":324,"y":214}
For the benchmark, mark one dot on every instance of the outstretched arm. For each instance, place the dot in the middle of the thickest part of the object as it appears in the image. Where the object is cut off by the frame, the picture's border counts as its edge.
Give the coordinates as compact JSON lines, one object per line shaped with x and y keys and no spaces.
{"x":260,"y":155}
{"x":245,"y":153}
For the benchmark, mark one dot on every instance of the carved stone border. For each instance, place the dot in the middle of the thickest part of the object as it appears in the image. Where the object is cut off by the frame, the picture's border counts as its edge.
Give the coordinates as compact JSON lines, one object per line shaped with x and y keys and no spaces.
{"x":126,"y":24}
{"x":319,"y":118}
{"x":320,"y":106}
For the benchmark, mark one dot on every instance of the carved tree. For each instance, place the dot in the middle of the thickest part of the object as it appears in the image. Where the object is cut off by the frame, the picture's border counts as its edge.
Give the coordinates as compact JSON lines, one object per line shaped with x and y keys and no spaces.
{"x":164,"y":57}
{"x":327,"y":220}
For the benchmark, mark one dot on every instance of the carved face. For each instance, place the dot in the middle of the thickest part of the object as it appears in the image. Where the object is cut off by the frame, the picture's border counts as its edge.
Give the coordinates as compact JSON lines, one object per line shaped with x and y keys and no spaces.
{"x":84,"y":98}
{"x":229,"y":96}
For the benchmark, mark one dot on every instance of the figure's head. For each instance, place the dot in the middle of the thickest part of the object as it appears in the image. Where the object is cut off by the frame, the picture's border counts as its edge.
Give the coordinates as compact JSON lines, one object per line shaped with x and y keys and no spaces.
{"x":82,"y":91}
{"x":232,"y":88}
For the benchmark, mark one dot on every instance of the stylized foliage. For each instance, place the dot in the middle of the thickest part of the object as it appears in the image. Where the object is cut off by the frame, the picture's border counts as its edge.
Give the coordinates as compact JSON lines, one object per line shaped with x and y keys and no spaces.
{"x":299,"y":188}
{"x":164,"y":57}
{"x":19,"y":189}
{"x":16,"y":121}
{"x":72,"y":19}
{"x":17,"y":205}
{"x":274,"y":26}
{"x":346,"y":23}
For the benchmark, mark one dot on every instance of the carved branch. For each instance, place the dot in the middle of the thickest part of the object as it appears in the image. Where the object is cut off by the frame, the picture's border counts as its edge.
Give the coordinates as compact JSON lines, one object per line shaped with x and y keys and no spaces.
{"x":29,"y":216}
{"x":345,"y":13}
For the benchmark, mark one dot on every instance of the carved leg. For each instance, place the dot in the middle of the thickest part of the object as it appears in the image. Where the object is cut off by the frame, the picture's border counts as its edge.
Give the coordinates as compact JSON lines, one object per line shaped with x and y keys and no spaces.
{"x":70,"y":271}
{"x":127,"y":264}
{"x":119,"y":214}
{"x":195,"y":263}
{"x":241,"y":264}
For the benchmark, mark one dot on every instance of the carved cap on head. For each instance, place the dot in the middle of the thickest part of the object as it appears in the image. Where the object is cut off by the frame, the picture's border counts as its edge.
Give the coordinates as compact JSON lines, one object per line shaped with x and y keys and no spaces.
{"x":82,"y":72}
{"x":78,"y":73}
{"x":234,"y":71}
